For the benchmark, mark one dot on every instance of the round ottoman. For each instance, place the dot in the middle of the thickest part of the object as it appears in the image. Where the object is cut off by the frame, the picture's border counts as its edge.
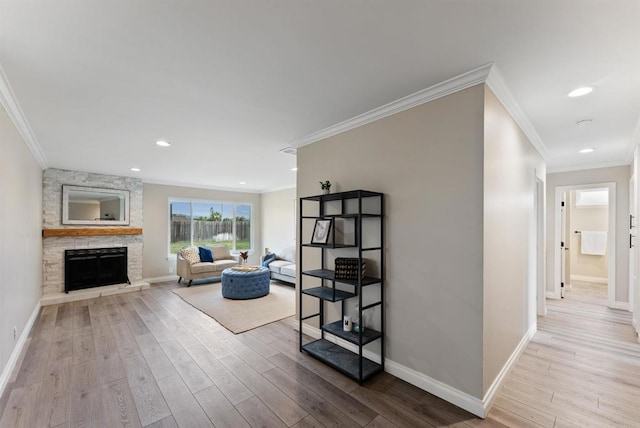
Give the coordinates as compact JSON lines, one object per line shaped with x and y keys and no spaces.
{"x":245,"y":285}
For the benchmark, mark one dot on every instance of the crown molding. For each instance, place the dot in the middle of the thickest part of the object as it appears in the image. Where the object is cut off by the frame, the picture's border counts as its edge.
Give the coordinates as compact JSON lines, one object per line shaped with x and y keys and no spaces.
{"x":10,"y":104}
{"x":582,"y":167}
{"x":455,"y":84}
{"x":497,"y":84}
{"x":635,"y":140}
{"x":278,"y":189}
{"x":487,"y":73}
{"x":199,"y":186}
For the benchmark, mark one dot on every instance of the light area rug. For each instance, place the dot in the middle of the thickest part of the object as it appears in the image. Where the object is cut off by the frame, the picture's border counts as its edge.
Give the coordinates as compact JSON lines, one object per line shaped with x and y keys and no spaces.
{"x":241,"y":315}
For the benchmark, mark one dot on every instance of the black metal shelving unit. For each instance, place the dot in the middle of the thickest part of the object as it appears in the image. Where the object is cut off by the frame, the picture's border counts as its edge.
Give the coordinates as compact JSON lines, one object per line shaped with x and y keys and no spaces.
{"x":327,"y":349}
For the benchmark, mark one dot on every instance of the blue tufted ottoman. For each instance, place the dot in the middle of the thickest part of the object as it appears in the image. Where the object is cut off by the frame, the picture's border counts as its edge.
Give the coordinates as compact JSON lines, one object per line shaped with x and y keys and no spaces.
{"x":245,"y":285}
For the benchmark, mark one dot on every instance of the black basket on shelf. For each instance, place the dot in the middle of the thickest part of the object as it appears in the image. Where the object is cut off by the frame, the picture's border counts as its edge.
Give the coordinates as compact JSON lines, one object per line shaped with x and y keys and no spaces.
{"x":347,"y":268}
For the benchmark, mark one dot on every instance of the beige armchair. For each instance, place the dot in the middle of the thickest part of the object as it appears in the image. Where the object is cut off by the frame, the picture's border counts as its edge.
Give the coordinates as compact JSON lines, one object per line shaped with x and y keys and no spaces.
{"x":222,"y":259}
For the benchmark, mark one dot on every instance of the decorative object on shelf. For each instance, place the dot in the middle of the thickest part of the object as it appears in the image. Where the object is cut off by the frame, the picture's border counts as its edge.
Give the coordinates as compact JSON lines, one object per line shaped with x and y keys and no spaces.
{"x":244,"y":255}
{"x":358,"y":323}
{"x":325,"y":187}
{"x":346,"y":323}
{"x":347,"y":268}
{"x":321,"y":231}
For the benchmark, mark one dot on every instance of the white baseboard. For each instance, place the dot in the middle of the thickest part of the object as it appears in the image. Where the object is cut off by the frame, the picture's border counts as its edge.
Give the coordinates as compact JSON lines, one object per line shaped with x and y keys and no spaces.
{"x":17,"y":350}
{"x":585,"y":278}
{"x":439,"y":389}
{"x":461,"y":399}
{"x":513,"y":359}
{"x":552,"y":295}
{"x":161,"y":279}
{"x":621,"y":305}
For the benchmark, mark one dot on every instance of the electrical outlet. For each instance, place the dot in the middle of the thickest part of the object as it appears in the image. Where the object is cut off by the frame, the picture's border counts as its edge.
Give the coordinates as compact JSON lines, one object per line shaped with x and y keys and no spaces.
{"x":170,"y":269}
{"x":15,"y":333}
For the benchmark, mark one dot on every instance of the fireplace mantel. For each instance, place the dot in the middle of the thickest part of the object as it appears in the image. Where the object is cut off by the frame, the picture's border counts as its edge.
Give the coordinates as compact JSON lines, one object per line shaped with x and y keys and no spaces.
{"x":91,"y":231}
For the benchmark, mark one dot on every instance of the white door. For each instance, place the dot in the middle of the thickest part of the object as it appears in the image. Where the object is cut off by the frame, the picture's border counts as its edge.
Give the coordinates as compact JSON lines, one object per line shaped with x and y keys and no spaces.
{"x":633,"y":223}
{"x":563,"y":244}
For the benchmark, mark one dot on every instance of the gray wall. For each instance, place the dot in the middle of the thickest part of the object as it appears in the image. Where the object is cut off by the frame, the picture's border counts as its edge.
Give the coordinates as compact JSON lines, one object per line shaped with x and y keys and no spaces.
{"x":511,"y":165}
{"x":620,"y":175}
{"x":428,"y":161}
{"x":20,"y":236}
{"x":278,"y":219}
{"x":156,"y":262}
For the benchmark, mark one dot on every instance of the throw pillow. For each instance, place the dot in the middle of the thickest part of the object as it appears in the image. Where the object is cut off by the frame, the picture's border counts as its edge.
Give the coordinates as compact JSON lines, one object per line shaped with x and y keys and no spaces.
{"x":191,"y":254}
{"x":205,"y":255}
{"x":288,"y":254}
{"x":268,"y":259}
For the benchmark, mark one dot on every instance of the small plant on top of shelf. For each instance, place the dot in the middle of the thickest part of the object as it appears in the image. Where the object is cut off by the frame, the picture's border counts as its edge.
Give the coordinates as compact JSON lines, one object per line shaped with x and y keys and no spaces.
{"x":325,"y":186}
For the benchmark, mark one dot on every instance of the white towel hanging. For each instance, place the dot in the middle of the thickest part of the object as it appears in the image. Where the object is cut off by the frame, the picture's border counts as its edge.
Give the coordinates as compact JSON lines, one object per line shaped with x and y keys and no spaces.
{"x":593,"y":243}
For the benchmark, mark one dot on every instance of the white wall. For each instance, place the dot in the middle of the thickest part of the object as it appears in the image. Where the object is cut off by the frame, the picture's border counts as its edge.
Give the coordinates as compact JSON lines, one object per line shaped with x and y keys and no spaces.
{"x":20,"y":239}
{"x":620,"y":175}
{"x":428,"y":161}
{"x":278,"y":219}
{"x":511,"y":165}
{"x":156,"y":262}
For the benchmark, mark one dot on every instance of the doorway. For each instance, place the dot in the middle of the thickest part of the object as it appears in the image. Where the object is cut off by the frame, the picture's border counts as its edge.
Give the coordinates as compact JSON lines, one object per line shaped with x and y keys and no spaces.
{"x":585,"y":242}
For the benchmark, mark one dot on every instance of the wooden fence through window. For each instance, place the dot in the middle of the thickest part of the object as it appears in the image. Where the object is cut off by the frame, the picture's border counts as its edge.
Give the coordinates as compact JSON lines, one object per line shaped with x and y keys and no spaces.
{"x":209,"y":230}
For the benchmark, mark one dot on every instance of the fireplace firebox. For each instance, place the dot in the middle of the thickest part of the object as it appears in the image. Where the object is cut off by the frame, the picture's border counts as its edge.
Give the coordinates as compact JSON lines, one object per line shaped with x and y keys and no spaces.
{"x":93,"y":267}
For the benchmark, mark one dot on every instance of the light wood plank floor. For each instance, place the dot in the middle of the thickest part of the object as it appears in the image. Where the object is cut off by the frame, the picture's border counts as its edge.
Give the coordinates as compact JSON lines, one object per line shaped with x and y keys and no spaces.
{"x":582,"y":368}
{"x":149,"y":359}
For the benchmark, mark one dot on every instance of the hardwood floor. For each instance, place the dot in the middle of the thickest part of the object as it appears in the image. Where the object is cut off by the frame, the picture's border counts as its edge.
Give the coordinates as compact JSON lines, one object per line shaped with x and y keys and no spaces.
{"x":148,"y":359}
{"x":582,"y":368}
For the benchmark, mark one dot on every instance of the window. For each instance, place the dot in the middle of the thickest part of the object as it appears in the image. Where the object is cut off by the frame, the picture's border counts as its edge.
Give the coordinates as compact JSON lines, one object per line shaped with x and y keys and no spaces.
{"x":204,"y":223}
{"x":592,"y":198}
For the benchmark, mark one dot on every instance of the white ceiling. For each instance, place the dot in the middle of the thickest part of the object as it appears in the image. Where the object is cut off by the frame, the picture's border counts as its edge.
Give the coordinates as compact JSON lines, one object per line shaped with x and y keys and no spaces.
{"x":230,"y":83}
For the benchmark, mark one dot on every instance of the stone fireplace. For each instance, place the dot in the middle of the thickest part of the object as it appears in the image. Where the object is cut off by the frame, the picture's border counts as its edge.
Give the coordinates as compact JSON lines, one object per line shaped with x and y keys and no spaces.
{"x":54,"y":247}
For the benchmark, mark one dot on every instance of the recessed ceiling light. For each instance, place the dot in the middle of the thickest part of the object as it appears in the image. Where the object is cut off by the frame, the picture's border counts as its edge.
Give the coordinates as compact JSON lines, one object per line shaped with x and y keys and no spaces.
{"x":584,"y":90}
{"x":294,"y":169}
{"x":134,"y":169}
{"x":163,"y":143}
{"x":242,"y":182}
{"x":589,"y":150}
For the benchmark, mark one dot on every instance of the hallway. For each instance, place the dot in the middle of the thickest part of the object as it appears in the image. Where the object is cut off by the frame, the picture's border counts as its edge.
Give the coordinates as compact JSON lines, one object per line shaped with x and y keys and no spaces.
{"x":582,"y":368}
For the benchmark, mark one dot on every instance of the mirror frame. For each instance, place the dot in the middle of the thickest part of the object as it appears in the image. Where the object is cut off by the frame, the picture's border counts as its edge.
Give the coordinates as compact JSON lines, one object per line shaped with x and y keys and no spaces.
{"x":66,"y":189}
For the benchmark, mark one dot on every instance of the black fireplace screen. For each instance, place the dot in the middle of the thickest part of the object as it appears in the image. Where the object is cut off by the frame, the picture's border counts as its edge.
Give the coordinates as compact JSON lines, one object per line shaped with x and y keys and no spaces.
{"x":94,"y":267}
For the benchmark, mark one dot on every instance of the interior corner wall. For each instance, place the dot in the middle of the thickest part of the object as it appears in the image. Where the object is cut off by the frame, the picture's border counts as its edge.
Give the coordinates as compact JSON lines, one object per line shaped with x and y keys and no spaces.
{"x":618,"y":174}
{"x":20,"y":237}
{"x":155,"y":260}
{"x":278,"y":219}
{"x":427,"y":160}
{"x":511,"y":166}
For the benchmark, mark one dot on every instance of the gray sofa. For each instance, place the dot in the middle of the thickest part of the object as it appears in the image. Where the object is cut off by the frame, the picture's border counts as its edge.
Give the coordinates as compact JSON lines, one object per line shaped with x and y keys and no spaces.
{"x":283,"y":268}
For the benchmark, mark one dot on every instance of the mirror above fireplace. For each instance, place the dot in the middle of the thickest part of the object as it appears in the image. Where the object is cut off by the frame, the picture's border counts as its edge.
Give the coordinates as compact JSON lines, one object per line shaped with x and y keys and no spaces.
{"x":94,"y":206}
